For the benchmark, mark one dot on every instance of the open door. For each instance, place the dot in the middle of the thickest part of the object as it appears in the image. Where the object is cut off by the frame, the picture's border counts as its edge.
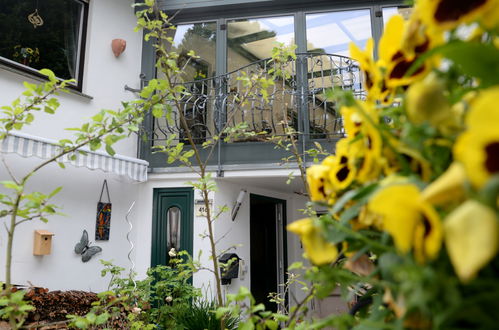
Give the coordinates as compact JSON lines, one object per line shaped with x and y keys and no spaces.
{"x":267,"y":247}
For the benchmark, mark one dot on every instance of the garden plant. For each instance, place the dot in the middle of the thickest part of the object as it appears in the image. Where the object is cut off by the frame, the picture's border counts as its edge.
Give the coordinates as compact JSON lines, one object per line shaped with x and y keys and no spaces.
{"x":411,"y":234}
{"x":412,"y":189}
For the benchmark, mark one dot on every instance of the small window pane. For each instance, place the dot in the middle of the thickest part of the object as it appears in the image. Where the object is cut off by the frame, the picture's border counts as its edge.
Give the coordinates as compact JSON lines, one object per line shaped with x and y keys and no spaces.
{"x":201,"y":38}
{"x":331,"y":33}
{"x":250,"y":40}
{"x":42,"y":34}
{"x":388,"y":12}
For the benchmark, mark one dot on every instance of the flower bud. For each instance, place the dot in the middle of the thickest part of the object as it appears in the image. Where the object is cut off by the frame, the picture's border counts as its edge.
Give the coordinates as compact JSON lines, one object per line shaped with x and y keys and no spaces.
{"x":426,"y":102}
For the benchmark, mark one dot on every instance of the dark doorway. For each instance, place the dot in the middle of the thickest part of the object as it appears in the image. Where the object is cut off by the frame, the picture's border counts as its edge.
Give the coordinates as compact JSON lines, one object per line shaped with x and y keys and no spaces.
{"x":267,"y":247}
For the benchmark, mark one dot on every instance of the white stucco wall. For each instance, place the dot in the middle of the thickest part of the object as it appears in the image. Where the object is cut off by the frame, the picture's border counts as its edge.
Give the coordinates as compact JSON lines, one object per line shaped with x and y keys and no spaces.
{"x":104,"y":80}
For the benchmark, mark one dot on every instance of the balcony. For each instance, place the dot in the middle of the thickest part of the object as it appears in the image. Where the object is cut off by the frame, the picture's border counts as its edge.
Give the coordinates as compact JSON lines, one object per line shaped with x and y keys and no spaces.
{"x":297,"y":101}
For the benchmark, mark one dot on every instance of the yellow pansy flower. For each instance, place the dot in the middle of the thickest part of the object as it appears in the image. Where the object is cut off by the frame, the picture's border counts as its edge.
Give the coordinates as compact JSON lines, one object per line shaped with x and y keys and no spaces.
{"x":397,"y":59}
{"x":364,"y":139}
{"x":343,"y":170}
{"x":447,"y":188}
{"x":368,"y":154}
{"x":317,"y":249}
{"x":396,"y":153}
{"x":321,"y":189}
{"x":478,"y":148}
{"x":411,"y":221}
{"x":371,"y":74}
{"x":448,"y":14}
{"x":471,"y":237}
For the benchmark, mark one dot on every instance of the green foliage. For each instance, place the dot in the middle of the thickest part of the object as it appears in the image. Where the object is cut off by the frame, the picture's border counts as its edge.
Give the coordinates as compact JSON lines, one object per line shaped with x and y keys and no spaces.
{"x":200,"y":315}
{"x":14,"y":308}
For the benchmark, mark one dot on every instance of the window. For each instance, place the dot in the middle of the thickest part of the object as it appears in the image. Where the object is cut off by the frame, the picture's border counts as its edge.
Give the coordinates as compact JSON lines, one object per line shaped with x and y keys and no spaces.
{"x":331,"y":33}
{"x":250,"y":40}
{"x":388,"y":12}
{"x":39,"y":34}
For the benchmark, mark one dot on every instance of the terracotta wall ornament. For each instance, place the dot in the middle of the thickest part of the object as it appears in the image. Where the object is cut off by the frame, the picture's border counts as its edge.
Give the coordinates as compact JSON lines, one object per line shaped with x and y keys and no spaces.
{"x":118,"y":46}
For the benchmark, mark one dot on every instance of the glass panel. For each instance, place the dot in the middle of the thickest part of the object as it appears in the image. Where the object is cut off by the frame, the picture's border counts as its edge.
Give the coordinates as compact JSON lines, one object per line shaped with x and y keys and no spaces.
{"x":42,"y":34}
{"x":201,"y":38}
{"x":250,"y":40}
{"x":173,"y":218}
{"x":197,"y":108}
{"x":249,"y":43}
{"x":390,"y":11}
{"x":330,"y":34}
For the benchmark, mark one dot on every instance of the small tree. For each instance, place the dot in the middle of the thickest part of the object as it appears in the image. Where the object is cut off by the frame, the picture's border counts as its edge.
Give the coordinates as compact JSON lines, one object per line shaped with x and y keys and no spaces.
{"x":104,"y":129}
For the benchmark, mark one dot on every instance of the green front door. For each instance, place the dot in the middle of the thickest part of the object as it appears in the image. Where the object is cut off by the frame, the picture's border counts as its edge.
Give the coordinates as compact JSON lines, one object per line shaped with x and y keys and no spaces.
{"x":172,"y":222}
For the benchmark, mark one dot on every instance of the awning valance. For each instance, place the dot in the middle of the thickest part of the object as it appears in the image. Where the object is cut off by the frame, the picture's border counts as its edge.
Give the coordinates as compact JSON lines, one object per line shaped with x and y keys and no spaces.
{"x":27,"y":145}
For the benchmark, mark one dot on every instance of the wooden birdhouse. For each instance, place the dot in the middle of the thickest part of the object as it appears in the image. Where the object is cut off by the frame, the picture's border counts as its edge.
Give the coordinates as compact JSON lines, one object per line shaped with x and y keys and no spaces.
{"x":43,"y":242}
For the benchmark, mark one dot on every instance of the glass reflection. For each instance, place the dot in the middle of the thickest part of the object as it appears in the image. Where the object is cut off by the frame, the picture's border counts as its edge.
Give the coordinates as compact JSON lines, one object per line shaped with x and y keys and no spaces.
{"x":201,"y":38}
{"x":331,"y":33}
{"x":250,"y":40}
{"x":173,"y":218}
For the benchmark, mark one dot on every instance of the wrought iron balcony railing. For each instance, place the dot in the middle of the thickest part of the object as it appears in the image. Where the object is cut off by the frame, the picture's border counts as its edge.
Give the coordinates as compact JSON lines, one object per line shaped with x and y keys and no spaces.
{"x":296,"y":101}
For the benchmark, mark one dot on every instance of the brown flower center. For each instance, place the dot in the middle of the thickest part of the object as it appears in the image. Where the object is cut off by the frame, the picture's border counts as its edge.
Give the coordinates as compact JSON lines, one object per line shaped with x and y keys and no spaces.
{"x":400,"y":69}
{"x":342,"y":174}
{"x":453,"y":10}
{"x":492,"y":157}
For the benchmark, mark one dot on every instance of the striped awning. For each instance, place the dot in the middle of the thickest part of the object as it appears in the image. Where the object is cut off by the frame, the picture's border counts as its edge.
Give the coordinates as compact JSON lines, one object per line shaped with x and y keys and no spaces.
{"x":27,"y":145}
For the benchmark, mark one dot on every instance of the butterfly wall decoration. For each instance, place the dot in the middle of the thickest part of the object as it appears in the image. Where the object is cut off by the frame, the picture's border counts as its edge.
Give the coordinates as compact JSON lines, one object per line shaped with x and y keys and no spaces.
{"x":83,"y":248}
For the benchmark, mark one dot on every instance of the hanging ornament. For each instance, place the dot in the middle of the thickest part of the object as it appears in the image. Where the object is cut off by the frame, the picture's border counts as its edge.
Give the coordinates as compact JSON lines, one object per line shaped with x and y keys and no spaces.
{"x":35,"y":19}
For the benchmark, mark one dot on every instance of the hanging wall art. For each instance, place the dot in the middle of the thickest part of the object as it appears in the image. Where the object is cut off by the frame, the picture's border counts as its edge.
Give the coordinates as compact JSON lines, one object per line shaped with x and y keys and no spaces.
{"x":103,"y":223}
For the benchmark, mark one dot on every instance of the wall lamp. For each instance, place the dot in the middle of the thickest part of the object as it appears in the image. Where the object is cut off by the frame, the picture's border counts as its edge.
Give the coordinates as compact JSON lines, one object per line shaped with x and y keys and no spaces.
{"x":238,"y":203}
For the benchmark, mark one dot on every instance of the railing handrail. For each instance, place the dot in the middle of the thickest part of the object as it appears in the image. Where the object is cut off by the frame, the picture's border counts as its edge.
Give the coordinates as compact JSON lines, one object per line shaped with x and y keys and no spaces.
{"x":268,"y":59}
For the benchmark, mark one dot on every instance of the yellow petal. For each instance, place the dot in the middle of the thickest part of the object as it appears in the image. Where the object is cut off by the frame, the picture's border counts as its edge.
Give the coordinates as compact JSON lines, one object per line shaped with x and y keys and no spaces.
{"x":318,"y":181}
{"x":391,"y":41}
{"x":449,"y":187}
{"x":481,"y":114}
{"x":471,"y":237}
{"x":428,"y":234}
{"x":397,"y":205}
{"x":317,"y":249}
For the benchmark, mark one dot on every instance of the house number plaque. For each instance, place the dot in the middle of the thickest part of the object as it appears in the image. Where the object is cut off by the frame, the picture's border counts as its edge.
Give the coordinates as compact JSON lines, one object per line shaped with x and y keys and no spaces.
{"x":201,"y":208}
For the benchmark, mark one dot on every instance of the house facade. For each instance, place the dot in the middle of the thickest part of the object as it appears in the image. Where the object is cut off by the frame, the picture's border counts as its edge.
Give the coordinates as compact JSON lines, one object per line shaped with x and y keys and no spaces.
{"x":231,"y":38}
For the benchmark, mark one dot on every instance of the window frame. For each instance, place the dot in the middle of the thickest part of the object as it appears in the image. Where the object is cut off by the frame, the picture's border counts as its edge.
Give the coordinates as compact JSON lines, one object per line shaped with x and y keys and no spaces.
{"x":78,"y":85}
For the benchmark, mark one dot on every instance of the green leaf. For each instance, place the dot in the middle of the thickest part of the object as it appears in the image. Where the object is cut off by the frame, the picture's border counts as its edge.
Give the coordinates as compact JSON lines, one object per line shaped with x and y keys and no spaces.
{"x":110,"y":150}
{"x":475,"y":59}
{"x":81,"y":324}
{"x":11,"y":185}
{"x":157,"y":110}
{"x":91,"y":317}
{"x":271,"y":324}
{"x":248,"y":325}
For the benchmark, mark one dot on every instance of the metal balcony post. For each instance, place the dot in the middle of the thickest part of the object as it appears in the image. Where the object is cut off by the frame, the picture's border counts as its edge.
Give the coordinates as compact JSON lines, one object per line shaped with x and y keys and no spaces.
{"x":302,"y":79}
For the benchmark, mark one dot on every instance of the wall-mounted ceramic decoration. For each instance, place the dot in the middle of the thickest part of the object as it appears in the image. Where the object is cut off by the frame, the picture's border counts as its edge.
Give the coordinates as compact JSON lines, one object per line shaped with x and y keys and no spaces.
{"x":103,"y":223}
{"x":118,"y":46}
